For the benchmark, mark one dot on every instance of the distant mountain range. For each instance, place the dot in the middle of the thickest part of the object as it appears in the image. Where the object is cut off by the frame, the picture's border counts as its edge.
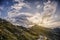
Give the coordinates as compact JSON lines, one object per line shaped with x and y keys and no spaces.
{"x":9,"y":31}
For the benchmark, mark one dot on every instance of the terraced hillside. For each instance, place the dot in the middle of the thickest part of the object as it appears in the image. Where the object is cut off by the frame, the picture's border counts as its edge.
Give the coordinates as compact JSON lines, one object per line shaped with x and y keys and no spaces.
{"x":12,"y":32}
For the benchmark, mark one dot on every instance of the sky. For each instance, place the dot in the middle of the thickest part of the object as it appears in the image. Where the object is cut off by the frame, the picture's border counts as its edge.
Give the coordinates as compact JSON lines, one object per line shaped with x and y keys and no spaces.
{"x":30,"y":12}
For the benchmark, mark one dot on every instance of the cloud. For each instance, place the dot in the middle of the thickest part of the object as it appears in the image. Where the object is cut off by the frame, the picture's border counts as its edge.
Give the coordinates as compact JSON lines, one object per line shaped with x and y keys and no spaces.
{"x":46,"y":18}
{"x":7,"y":3}
{"x":1,"y":8}
{"x":0,"y":13}
{"x":15,"y":9}
{"x":20,"y":19}
{"x":27,"y":19}
{"x":38,"y":6}
{"x":19,"y":5}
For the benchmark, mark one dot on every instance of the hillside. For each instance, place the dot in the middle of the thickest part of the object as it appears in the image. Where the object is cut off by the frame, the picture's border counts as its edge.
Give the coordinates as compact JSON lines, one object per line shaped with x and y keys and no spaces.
{"x":11,"y":32}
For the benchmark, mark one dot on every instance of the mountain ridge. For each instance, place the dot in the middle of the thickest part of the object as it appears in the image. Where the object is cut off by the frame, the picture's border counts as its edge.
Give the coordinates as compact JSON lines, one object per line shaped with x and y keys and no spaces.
{"x":9,"y":31}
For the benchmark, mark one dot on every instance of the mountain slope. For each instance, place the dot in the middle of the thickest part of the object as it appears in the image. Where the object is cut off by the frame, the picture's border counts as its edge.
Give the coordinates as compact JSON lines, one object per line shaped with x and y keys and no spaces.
{"x":12,"y":32}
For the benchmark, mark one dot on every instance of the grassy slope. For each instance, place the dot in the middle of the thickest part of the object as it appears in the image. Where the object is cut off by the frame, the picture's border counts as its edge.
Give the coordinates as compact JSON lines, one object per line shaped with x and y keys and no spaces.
{"x":11,"y":32}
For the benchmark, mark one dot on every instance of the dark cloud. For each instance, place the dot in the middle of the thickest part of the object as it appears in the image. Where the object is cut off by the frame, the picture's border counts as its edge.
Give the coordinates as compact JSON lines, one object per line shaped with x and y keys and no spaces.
{"x":5,"y":6}
{"x":41,"y":0}
{"x":33,"y":1}
{"x":7,"y":2}
{"x":11,"y":2}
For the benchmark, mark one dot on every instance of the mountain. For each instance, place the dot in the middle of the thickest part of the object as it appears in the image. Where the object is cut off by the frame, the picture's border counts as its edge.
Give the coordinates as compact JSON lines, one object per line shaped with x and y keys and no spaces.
{"x":9,"y":31}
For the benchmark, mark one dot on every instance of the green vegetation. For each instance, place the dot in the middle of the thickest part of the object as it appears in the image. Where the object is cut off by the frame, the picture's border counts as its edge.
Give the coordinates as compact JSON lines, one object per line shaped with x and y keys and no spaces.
{"x":11,"y":32}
